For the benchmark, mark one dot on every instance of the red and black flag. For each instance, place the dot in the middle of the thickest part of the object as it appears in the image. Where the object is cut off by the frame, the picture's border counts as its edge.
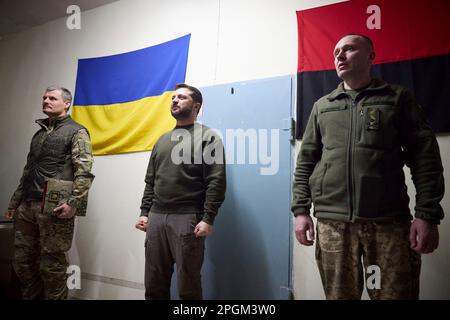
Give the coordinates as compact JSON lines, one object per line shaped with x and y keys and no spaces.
{"x":412,"y":46}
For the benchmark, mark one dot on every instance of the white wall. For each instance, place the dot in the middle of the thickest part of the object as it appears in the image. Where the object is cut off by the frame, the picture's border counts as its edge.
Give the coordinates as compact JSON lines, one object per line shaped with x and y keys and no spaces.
{"x":232,"y":40}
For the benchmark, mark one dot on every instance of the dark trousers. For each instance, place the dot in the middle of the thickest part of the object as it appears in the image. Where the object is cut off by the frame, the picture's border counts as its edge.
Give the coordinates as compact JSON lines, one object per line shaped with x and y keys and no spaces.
{"x":170,"y":239}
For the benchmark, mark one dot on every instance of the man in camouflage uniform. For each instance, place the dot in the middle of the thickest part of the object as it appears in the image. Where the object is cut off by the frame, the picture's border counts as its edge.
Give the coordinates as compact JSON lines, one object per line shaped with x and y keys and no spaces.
{"x":61,"y":149}
{"x":356,"y":143}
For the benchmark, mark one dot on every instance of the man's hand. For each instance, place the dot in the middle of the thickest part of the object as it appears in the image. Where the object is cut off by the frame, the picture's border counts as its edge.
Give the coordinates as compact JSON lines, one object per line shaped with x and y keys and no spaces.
{"x":203,"y":229}
{"x":9,"y":213}
{"x":142,"y":223}
{"x":423,"y":236}
{"x":303,"y":225}
{"x":65,"y":211}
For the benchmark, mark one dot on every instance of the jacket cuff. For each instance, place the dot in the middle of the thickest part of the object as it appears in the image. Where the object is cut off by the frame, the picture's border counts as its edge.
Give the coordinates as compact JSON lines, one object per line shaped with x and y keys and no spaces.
{"x":432,"y":215}
{"x":73,"y":202}
{"x":14,"y":202}
{"x":301,"y":211}
{"x":13,"y":205}
{"x":144,"y":213}
{"x":209,"y":218}
{"x":428,"y":218}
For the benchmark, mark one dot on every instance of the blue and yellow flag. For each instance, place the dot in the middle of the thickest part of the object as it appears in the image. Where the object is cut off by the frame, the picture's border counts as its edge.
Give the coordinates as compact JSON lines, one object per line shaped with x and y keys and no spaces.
{"x":124,"y":100}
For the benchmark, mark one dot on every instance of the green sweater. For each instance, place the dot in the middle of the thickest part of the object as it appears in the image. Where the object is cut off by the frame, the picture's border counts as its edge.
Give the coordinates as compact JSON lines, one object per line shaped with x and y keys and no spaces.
{"x":186,"y":173}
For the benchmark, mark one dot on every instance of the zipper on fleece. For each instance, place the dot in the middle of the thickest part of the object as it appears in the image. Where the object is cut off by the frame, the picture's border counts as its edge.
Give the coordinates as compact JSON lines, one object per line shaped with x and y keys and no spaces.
{"x":350,"y":157}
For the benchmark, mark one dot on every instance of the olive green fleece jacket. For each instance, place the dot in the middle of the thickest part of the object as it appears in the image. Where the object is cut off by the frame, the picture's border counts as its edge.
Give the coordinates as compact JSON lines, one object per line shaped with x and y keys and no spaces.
{"x":353,"y":152}
{"x":186,"y":173}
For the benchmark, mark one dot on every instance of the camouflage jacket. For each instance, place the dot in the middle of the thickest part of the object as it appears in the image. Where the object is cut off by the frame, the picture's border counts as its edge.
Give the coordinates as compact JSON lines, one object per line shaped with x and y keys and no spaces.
{"x":69,"y":158}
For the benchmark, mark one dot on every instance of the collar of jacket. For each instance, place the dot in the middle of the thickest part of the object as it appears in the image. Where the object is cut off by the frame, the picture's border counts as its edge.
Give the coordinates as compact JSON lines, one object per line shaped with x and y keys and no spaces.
{"x":44,"y":123}
{"x":375,"y":85}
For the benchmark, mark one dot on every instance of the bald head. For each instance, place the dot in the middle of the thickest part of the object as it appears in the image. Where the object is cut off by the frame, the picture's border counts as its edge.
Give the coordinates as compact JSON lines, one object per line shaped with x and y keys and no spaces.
{"x":353,"y":57}
{"x":365,"y":39}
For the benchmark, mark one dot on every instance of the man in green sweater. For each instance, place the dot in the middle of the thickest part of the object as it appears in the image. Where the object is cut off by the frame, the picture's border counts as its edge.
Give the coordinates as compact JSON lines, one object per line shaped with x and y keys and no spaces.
{"x":356,"y":143}
{"x":185,"y":186}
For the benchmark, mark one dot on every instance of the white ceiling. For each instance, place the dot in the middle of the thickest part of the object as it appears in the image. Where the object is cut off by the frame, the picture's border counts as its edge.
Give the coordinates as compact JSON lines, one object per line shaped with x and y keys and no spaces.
{"x":19,"y":15}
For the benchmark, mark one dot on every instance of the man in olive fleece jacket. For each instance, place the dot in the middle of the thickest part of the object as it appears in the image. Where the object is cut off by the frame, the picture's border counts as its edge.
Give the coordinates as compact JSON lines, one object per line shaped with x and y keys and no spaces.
{"x":185,"y":186}
{"x":356,"y":143}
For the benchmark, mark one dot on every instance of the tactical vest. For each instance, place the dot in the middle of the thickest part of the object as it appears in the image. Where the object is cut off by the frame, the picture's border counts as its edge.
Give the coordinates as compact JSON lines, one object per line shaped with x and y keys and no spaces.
{"x":50,"y":156}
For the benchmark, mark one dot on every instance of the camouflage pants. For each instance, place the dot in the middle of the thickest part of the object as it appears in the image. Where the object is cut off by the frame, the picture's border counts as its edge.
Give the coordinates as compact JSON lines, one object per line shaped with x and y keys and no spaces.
{"x":41,"y":243}
{"x":389,"y":266}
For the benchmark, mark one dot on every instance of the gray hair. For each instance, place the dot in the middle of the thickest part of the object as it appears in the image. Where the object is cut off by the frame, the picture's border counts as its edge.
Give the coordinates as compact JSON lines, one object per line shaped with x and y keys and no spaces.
{"x":66,"y":95}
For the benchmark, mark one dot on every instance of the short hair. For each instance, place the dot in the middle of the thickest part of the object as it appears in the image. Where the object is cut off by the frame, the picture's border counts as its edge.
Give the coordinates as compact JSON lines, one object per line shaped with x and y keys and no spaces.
{"x":65,"y":93}
{"x":195,"y":93}
{"x":366,"y":39}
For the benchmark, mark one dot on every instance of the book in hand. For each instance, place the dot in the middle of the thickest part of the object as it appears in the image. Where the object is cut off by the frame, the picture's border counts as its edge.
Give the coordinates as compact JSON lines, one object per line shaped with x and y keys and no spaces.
{"x":56,"y":193}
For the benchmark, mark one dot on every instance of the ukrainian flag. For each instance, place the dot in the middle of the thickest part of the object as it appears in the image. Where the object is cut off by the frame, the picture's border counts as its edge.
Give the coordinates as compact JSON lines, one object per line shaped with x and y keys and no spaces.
{"x":124,"y":100}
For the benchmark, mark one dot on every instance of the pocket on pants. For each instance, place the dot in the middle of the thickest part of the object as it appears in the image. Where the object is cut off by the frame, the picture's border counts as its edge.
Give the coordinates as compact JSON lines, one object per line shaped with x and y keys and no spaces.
{"x":191,"y":243}
{"x":331,"y":235}
{"x":192,"y":251}
{"x":57,"y":234}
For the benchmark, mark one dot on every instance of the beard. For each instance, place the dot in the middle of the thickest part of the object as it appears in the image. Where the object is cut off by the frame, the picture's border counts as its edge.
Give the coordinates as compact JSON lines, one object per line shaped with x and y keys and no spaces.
{"x":182,"y":113}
